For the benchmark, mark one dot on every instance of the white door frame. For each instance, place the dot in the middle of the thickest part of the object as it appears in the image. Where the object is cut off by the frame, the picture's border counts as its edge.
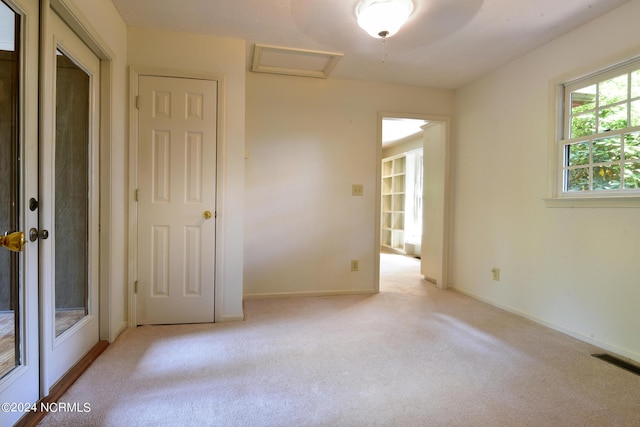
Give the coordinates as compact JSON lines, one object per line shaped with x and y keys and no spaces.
{"x":446,"y":122}
{"x":134,"y":73}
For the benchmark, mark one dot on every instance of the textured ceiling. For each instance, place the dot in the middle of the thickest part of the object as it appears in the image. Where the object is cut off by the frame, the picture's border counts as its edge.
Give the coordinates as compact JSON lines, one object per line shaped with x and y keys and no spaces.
{"x":445,"y":43}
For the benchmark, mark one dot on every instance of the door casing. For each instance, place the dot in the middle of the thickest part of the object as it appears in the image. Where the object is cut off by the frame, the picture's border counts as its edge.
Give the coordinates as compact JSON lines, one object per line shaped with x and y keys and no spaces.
{"x":443,"y":122}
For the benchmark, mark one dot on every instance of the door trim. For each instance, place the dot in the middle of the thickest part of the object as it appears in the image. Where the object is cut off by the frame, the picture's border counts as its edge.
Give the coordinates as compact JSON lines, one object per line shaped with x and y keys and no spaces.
{"x":134,"y":73}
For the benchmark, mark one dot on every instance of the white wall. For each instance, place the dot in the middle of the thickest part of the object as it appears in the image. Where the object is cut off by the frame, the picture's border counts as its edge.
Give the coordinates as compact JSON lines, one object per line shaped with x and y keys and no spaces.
{"x":207,"y":54}
{"x":103,"y":22}
{"x":574,"y":269}
{"x":309,"y":140}
{"x":435,"y":215}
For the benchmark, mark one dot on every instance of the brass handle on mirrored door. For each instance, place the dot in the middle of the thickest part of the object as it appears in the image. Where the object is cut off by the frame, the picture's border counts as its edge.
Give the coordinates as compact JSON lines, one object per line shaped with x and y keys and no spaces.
{"x":14,"y":241}
{"x":206,"y":215}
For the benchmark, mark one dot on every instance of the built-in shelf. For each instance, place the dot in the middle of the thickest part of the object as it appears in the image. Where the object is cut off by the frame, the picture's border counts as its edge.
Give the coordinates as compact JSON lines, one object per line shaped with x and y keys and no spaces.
{"x":393,"y":202}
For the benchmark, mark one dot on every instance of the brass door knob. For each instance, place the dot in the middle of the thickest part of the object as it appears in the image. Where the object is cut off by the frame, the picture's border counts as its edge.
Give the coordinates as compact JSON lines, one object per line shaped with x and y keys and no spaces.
{"x":207,"y":215}
{"x":14,"y":241}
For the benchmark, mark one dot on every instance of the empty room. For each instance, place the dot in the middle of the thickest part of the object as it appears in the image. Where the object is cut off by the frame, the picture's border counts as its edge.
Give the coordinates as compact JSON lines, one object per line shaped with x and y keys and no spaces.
{"x":206,"y":220}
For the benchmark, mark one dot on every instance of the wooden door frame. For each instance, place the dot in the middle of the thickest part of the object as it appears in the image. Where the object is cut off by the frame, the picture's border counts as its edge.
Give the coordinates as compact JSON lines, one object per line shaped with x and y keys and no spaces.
{"x":446,"y":122}
{"x":135,"y":72}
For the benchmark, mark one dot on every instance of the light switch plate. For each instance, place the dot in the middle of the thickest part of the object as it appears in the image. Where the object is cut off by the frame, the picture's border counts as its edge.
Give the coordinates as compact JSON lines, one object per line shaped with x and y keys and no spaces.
{"x":357,"y":190}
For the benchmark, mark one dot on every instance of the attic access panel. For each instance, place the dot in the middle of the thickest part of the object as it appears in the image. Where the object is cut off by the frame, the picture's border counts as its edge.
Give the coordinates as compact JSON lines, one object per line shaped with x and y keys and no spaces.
{"x":293,"y":62}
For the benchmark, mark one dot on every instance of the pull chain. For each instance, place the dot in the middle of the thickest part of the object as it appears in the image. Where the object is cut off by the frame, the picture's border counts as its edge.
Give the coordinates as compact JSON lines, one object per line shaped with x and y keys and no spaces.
{"x":383,"y":35}
{"x":384,"y":49}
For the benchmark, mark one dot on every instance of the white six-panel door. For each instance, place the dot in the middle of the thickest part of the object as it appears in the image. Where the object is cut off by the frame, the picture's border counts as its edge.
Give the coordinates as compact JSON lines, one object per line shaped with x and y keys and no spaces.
{"x":176,"y":200}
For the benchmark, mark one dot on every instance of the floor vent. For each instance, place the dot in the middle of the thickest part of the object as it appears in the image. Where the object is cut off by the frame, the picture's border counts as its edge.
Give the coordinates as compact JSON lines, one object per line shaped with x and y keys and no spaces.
{"x":618,"y":362}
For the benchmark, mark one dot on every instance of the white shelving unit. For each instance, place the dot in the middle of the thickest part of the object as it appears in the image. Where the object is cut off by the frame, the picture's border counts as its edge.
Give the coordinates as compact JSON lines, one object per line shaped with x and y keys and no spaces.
{"x":394,"y":170}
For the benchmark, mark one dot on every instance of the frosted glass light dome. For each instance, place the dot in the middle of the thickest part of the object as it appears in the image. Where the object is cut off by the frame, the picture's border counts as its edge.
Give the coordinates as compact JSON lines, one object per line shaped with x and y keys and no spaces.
{"x":383,"y":18}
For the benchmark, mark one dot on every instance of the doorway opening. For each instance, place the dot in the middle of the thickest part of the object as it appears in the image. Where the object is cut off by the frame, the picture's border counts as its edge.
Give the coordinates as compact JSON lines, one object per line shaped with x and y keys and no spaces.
{"x":402,"y":182}
{"x":413,"y":182}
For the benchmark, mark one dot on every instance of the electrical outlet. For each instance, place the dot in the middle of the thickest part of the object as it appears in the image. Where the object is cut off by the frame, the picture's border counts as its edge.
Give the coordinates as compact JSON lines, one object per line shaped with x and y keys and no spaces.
{"x":496,"y":274}
{"x":354,"y":265}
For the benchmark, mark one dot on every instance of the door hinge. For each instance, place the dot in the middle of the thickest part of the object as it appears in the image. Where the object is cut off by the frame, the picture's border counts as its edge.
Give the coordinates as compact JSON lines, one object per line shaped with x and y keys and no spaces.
{"x":137,"y":194}
{"x":138,"y":102}
{"x":135,"y":287}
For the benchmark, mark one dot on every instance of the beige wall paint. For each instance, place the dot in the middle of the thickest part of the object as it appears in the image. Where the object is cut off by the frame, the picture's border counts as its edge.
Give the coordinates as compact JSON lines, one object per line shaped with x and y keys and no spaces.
{"x":184,"y":52}
{"x":576,"y":270}
{"x":309,"y":140}
{"x":435,"y":218}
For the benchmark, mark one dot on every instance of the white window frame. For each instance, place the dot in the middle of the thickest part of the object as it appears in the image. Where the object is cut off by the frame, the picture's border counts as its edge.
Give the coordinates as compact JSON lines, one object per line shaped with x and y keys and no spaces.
{"x":560,"y":88}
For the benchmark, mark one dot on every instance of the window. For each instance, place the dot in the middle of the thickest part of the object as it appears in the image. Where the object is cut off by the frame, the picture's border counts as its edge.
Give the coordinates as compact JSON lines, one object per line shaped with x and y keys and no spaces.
{"x":599,"y":147}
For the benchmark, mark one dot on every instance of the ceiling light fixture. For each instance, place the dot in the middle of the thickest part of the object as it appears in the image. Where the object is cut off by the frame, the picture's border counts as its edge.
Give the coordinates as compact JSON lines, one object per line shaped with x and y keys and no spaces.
{"x":383,"y":18}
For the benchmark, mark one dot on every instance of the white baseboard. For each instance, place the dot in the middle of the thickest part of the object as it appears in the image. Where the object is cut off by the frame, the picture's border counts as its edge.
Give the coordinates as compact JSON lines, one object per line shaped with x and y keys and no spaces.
{"x":230,"y":318}
{"x":310,"y":294}
{"x":116,"y":333}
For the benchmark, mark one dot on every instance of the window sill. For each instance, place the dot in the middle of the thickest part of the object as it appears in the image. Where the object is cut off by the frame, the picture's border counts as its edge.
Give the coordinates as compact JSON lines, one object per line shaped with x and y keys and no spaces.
{"x":594,"y":202}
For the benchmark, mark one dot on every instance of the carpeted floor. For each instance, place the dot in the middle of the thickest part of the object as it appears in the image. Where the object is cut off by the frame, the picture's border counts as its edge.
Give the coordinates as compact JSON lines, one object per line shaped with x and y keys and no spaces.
{"x":410,"y":356}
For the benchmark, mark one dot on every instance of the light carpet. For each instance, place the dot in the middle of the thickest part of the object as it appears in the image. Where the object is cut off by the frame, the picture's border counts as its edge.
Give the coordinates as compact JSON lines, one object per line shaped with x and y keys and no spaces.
{"x":411,"y":355}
